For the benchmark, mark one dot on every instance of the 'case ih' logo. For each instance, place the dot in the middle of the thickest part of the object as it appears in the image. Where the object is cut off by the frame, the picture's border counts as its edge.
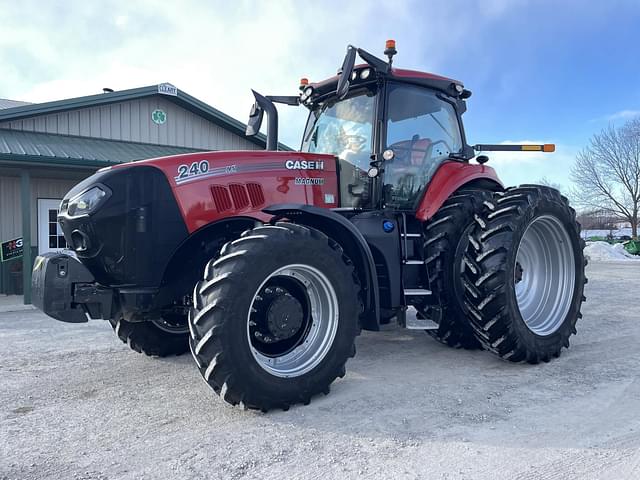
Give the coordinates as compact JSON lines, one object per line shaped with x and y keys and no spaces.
{"x":304,"y":165}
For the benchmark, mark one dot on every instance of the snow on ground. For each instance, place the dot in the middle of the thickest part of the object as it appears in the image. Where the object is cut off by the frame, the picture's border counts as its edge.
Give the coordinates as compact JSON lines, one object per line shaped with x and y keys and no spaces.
{"x":604,"y":252}
{"x":76,"y":403}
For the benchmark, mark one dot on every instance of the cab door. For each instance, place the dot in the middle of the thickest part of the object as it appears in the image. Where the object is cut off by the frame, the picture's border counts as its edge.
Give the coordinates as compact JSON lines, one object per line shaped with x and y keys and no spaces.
{"x":423,"y":131}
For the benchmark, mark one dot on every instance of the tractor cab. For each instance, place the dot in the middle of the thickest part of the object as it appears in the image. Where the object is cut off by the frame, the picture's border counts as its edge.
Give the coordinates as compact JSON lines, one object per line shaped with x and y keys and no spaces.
{"x":390,"y":129}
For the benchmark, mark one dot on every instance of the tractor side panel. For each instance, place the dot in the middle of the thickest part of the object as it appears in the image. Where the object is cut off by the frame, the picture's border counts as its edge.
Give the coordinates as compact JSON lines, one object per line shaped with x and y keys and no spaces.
{"x":210,"y":186}
{"x":450,"y":177}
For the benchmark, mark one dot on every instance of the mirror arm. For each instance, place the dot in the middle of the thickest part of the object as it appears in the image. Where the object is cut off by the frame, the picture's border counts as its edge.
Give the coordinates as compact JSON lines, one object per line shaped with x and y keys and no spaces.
{"x":272,"y":119}
{"x":375,"y":62}
{"x":292,"y":100}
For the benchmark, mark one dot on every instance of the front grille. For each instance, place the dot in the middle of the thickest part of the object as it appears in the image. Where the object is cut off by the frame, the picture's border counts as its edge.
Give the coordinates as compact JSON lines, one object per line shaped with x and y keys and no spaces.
{"x":255,"y":194}
{"x":237,"y":196}
{"x":221,"y":198}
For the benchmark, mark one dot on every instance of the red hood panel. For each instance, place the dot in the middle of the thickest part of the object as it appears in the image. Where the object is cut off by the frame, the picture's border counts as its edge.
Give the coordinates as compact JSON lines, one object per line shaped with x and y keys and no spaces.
{"x":209,"y":186}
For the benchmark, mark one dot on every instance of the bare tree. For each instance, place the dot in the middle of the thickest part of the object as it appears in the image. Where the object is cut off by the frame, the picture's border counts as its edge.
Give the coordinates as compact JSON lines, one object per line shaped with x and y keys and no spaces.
{"x":607,"y":173}
{"x":548,"y":183}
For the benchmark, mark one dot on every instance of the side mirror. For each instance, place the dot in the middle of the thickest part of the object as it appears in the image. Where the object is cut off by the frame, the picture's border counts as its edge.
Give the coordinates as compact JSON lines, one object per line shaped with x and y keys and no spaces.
{"x":255,"y":120}
{"x":345,"y":72}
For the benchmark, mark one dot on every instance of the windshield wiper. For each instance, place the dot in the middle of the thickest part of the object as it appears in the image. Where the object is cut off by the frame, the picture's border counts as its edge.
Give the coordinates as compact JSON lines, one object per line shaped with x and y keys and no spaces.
{"x":313,"y":126}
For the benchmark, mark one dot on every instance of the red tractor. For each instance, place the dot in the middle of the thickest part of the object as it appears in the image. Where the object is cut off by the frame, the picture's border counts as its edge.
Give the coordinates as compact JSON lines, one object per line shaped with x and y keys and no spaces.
{"x":268,"y":264}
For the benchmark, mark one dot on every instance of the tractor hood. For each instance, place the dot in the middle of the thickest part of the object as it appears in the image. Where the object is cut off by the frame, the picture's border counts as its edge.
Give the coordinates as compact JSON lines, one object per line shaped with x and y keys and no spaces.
{"x":154,"y":205}
{"x":208,"y":186}
{"x":207,"y":166}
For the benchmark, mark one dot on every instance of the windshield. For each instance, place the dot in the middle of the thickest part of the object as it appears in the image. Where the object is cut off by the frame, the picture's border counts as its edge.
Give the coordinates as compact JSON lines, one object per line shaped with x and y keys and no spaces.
{"x":345,"y":129}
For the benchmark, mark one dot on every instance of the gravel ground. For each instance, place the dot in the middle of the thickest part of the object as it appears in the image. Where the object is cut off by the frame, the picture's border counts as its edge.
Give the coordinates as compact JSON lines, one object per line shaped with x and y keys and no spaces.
{"x":75,"y":403}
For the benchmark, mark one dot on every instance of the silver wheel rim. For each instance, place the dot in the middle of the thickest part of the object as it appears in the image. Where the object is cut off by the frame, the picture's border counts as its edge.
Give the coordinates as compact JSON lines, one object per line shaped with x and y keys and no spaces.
{"x":313,"y":347}
{"x":170,"y":327}
{"x":545,"y":275}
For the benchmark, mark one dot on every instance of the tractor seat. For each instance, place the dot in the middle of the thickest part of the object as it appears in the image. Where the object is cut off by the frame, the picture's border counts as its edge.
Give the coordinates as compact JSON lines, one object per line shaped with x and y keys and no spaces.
{"x":410,"y":153}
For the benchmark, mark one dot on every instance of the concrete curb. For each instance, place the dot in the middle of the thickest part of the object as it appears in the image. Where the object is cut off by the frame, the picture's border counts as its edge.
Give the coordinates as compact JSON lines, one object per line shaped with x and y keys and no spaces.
{"x":16,"y":308}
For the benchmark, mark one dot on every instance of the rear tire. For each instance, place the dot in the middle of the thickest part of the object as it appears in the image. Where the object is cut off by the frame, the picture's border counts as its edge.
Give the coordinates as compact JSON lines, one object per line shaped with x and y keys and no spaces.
{"x":524,"y":274}
{"x":236,"y":342}
{"x":445,"y":242}
{"x":152,"y":338}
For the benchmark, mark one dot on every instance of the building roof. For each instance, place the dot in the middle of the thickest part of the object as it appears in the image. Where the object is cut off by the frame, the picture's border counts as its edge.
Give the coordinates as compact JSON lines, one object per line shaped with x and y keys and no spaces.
{"x":6,"y":103}
{"x":167,"y":91}
{"x":33,"y":147}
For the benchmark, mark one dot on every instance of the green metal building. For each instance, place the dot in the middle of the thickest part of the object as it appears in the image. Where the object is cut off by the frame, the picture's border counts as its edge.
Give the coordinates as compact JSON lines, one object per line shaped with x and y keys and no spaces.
{"x":46,"y":148}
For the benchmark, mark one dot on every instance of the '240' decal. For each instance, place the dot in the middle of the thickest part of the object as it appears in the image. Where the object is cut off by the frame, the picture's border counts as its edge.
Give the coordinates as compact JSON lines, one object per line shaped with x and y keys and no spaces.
{"x":196,"y":168}
{"x":201,"y":169}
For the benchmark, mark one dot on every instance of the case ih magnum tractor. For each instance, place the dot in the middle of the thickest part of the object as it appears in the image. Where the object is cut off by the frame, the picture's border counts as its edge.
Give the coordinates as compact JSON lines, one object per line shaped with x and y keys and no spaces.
{"x":268,"y":264}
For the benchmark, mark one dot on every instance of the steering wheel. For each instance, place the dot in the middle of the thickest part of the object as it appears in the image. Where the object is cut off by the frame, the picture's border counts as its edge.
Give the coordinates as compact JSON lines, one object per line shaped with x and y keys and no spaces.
{"x":360,"y":140}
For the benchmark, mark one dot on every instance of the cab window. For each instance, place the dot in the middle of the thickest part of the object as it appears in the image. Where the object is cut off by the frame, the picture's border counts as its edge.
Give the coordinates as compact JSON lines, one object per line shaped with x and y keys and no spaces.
{"x":422,"y":131}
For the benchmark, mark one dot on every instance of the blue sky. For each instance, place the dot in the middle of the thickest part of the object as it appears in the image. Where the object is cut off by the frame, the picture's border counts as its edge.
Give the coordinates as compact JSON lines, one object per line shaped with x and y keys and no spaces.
{"x":548,"y":71}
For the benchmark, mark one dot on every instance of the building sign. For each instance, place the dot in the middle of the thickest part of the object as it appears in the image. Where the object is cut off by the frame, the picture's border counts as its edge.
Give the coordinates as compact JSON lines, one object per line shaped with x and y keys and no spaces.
{"x":11,"y":249}
{"x":158,"y":116}
{"x":168,"y":89}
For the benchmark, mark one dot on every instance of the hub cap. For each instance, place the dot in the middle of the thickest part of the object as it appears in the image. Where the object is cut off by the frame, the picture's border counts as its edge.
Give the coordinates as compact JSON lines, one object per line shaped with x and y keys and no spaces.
{"x":544,"y":275}
{"x":292,"y":321}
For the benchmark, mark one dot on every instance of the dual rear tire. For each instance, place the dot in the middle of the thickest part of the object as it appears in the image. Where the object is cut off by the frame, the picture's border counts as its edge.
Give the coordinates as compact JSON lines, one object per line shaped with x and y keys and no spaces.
{"x":524,"y":275}
{"x":445,"y":238}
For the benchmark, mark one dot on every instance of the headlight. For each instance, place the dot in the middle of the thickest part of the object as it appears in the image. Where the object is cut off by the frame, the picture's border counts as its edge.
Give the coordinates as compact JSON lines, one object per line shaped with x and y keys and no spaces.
{"x":86,"y":202}
{"x":306,"y":94}
{"x":365,"y":73}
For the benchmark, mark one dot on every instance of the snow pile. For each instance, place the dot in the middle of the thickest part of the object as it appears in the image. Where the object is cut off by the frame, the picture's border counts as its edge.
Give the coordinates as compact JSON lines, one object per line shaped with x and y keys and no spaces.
{"x":604,"y":252}
{"x":619,"y":247}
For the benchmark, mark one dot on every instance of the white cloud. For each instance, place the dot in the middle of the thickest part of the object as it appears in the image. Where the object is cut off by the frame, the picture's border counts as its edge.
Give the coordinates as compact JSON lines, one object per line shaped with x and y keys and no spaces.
{"x":121,"y":21}
{"x":623,"y":115}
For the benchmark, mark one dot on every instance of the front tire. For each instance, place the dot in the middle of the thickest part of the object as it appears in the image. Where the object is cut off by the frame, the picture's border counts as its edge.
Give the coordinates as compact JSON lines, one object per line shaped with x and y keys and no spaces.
{"x":275,"y":317}
{"x":153,"y":338}
{"x":524,"y":274}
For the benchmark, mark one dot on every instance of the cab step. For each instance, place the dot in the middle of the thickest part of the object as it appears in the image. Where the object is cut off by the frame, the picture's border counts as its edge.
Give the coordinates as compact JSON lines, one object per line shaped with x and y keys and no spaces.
{"x":416,"y":292}
{"x":412,"y":322}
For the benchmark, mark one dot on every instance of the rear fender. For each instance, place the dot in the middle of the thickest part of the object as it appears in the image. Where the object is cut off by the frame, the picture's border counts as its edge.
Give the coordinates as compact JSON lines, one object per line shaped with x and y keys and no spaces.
{"x":451,"y":176}
{"x":351,"y":240}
